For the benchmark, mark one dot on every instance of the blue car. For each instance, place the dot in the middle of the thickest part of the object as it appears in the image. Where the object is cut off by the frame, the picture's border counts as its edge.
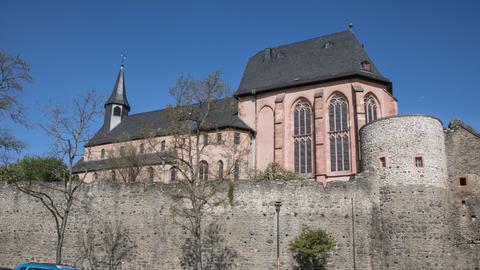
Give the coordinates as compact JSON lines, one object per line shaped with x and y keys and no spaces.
{"x":44,"y":266}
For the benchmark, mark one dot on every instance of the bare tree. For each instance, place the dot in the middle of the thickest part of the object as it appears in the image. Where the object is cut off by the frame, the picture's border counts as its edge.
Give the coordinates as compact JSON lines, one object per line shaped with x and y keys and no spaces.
{"x":191,"y":120}
{"x":14,"y":71}
{"x":70,"y":130}
{"x":127,"y":160}
{"x":217,"y":255}
{"x":109,"y":250}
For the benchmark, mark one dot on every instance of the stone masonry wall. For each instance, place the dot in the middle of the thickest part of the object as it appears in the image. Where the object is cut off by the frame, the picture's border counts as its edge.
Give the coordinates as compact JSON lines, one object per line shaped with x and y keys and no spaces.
{"x":405,"y":217}
{"x":411,"y":209}
{"x":249,"y":226}
{"x":463,"y":152}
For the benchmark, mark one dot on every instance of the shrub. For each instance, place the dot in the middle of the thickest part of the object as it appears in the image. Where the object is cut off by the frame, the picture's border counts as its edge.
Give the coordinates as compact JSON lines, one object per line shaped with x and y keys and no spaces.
{"x":275,"y":171}
{"x":312,"y":248}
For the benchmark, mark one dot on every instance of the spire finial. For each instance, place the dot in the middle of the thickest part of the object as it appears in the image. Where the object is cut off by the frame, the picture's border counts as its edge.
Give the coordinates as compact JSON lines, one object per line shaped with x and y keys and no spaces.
{"x":350,"y":27}
{"x":123,"y":57}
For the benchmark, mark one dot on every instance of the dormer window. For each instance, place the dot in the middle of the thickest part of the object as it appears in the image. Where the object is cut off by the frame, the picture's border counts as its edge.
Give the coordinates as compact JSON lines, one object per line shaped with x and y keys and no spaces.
{"x":366,"y":66}
{"x":328,"y":45}
{"x":117,"y":111}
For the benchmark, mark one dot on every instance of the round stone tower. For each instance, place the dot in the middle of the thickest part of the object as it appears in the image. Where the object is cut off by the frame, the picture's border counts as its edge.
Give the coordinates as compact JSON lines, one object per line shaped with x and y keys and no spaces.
{"x":404,"y":158}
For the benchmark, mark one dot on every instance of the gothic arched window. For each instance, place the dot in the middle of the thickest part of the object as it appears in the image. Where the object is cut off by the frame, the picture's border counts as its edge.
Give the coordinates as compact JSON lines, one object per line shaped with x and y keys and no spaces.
{"x":220,"y":169}
{"x":302,"y":137}
{"x":162,"y":146}
{"x":142,"y":148}
{"x":113,"y":176}
{"x":95,"y":176}
{"x":203,"y":170}
{"x":102,"y":153}
{"x":339,"y":134}
{"x":173,"y":174}
{"x":236,"y":170}
{"x":370,"y":109}
{"x":117,"y":111}
{"x":151,"y":174}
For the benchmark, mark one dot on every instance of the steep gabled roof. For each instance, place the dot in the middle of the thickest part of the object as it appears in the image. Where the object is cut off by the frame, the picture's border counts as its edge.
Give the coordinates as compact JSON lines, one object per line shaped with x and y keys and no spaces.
{"x":119,"y":93}
{"x":324,"y":58}
{"x":223,"y":114}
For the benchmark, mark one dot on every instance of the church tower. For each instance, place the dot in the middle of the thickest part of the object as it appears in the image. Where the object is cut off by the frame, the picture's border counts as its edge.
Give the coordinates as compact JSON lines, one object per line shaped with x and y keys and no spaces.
{"x":116,"y":107}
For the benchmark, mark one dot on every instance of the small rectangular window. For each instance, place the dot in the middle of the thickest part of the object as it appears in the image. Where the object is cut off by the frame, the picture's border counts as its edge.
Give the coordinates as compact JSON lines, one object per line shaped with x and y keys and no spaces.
{"x":383,"y":162}
{"x":219,"y":138}
{"x":419,"y":162}
{"x":236,"y":138}
{"x":462,"y":181}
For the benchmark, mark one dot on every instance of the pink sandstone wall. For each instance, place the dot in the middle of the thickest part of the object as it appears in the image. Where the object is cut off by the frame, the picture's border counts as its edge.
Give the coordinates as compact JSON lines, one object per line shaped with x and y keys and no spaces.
{"x":212,"y":153}
{"x":318,"y":95}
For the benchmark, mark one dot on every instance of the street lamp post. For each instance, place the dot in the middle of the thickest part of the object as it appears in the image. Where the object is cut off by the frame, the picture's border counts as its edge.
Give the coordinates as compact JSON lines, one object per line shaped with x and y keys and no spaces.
{"x":278,"y":204}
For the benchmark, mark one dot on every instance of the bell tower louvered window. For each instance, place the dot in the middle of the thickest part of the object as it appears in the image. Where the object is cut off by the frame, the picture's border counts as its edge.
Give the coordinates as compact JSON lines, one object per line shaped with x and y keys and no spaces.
{"x":339,"y":134}
{"x":370,"y":109}
{"x":302,"y":137}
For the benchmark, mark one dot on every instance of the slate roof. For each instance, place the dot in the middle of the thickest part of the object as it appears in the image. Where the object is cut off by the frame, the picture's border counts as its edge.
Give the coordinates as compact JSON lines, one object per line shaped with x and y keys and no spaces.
{"x":119,"y":92}
{"x":319,"y":59}
{"x":108,"y":164}
{"x":223,"y":114}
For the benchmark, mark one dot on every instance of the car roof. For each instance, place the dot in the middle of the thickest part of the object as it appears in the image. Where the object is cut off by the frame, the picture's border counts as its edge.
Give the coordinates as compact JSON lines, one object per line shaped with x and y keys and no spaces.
{"x":47,"y":265}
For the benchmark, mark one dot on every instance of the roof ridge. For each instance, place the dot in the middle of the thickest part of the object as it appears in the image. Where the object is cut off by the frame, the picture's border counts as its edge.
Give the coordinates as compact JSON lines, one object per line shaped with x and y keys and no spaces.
{"x":307,"y":40}
{"x":193,"y":104}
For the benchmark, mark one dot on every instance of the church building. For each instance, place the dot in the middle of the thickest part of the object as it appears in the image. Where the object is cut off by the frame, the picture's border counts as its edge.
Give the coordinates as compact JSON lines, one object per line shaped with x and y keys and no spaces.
{"x":300,"y":105}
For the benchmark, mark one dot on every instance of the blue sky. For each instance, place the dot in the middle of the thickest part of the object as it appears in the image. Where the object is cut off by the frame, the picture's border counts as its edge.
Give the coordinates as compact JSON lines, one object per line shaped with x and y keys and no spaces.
{"x":429,"y":49}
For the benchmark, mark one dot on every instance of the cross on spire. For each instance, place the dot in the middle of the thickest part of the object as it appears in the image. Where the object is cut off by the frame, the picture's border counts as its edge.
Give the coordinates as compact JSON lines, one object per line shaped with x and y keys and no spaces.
{"x":123,"y":57}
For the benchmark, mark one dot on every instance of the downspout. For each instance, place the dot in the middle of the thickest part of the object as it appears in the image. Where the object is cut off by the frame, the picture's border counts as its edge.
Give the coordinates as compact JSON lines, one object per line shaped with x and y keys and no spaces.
{"x":254,"y":141}
{"x":353,"y":236}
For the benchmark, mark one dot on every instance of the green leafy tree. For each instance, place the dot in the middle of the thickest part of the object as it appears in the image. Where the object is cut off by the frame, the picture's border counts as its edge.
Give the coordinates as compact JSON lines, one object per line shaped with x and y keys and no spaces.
{"x":35,"y":169}
{"x":312,"y":248}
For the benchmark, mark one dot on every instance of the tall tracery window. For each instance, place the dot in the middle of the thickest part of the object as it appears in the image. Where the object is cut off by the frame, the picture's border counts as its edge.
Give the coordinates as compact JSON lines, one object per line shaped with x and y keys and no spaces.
{"x":370,"y":109}
{"x":339,"y":134}
{"x":302,"y":137}
{"x":203,"y":170}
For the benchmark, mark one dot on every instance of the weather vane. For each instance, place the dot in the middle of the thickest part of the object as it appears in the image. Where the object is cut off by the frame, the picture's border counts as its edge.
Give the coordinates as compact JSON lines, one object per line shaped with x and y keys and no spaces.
{"x":123,"y":57}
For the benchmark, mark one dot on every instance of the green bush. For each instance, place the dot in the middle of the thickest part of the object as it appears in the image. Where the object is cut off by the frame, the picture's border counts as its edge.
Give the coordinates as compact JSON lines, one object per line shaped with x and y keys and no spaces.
{"x":312,"y":248}
{"x":275,"y":171}
{"x":34,"y":169}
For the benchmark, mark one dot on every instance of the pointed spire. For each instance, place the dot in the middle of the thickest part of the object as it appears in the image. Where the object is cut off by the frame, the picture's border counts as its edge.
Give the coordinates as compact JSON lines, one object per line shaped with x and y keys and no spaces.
{"x":119,"y":94}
